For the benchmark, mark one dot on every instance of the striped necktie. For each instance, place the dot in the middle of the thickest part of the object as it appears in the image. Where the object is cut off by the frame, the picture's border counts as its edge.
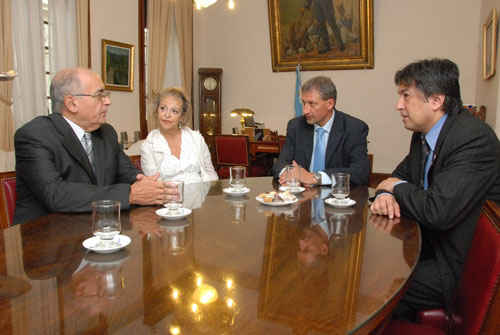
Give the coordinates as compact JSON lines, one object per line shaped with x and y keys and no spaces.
{"x":425,"y":157}
{"x":87,"y":145}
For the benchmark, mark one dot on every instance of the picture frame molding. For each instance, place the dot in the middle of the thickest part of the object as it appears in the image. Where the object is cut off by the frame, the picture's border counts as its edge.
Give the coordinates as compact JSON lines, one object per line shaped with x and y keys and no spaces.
{"x":363,"y":61}
{"x":490,"y":45}
{"x":130,"y":71}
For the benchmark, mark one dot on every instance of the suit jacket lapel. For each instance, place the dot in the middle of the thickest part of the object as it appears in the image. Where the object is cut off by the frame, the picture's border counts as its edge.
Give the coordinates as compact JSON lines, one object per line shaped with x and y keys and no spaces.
{"x":99,"y":156}
{"x":72,"y":144}
{"x":308,"y":144}
{"x":336,"y":134}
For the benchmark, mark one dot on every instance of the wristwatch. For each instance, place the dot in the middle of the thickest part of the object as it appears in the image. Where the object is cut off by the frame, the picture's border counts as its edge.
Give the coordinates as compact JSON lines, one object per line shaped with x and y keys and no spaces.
{"x":317,"y":175}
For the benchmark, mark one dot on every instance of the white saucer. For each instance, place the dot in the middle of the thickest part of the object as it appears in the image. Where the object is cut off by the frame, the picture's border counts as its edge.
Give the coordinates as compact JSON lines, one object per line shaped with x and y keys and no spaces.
{"x":108,"y":259}
{"x":172,"y":225}
{"x":120,"y":240}
{"x":346,"y":203}
{"x":275,"y":203}
{"x":299,"y":189}
{"x":167,"y":214}
{"x":236,"y":192}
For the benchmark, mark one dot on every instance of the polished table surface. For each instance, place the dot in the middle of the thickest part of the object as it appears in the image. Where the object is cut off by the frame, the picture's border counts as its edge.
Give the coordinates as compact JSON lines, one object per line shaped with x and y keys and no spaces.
{"x":272,"y":272}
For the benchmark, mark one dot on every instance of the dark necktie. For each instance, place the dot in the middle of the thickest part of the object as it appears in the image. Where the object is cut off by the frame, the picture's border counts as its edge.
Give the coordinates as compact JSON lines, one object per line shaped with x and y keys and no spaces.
{"x":425,"y":155}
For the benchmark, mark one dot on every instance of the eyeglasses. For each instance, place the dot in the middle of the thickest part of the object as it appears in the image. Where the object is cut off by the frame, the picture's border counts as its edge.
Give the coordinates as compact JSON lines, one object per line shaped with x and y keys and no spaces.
{"x":103,"y":95}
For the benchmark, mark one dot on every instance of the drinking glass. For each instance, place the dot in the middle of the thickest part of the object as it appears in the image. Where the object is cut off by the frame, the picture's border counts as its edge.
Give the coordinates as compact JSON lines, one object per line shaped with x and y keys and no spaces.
{"x":110,"y":281}
{"x":176,"y":240}
{"x":293,"y":177}
{"x":174,"y":203}
{"x":340,"y":186}
{"x":237,"y":176}
{"x":106,"y":221}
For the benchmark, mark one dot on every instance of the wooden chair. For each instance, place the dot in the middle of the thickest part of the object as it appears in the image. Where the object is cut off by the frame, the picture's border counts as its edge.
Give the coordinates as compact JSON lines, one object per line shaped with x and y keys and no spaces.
{"x":8,"y":198}
{"x":136,"y":159}
{"x":281,"y":141}
{"x":231,"y":150}
{"x":476,"y":304}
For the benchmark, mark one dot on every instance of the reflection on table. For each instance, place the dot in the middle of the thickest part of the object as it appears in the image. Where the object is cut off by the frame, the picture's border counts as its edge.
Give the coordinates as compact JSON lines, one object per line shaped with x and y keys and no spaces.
{"x":233,"y":266}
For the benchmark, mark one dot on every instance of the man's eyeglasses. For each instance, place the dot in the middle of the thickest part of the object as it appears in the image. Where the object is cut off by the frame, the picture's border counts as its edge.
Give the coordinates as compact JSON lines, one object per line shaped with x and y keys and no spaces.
{"x":103,"y":95}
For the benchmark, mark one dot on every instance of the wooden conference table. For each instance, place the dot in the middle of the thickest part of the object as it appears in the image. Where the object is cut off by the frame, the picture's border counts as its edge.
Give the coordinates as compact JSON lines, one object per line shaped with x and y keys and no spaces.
{"x":272,"y":272}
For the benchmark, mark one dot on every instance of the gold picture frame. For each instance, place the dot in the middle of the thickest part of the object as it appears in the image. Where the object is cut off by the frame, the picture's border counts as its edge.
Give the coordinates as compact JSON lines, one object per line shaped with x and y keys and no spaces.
{"x":490,"y":45}
{"x":298,"y":38}
{"x":117,"y":66}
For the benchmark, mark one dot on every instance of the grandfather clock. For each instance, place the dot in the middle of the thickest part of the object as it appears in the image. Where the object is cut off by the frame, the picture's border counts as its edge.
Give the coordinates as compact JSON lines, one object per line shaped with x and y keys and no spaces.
{"x":210,"y":105}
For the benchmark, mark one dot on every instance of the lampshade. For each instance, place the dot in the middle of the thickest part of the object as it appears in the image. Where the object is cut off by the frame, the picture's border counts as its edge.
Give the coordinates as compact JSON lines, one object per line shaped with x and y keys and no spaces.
{"x":242,"y":112}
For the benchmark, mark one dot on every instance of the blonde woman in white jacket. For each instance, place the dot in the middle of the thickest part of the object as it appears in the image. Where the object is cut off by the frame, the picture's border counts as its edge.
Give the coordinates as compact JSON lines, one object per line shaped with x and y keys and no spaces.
{"x":173,"y":149}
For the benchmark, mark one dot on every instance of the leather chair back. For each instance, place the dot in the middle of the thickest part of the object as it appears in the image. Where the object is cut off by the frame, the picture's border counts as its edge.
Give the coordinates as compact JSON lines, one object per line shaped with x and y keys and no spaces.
{"x":8,"y":198}
{"x":476,"y":306}
{"x":136,"y":159}
{"x":232,"y":150}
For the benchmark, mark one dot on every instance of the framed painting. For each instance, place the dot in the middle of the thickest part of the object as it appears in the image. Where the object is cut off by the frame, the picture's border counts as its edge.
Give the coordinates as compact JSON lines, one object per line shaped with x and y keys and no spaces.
{"x":117,"y":66}
{"x":321,"y":34}
{"x":490,"y":45}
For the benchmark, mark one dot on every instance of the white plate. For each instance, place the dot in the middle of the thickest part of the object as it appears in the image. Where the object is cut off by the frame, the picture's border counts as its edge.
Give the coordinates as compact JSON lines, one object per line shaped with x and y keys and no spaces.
{"x":299,"y":189}
{"x":167,"y":214}
{"x":275,"y":203}
{"x":120,"y":240}
{"x":109,"y":259}
{"x":347,"y":203}
{"x":235,"y":191}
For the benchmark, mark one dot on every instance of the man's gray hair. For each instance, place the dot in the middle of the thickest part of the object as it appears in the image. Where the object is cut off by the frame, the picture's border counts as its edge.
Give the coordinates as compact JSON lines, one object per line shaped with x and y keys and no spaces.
{"x":323,"y":85}
{"x":65,"y":82}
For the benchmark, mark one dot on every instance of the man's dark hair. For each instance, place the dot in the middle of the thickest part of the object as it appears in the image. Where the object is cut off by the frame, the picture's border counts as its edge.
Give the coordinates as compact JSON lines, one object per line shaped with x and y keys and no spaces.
{"x":433,"y":76}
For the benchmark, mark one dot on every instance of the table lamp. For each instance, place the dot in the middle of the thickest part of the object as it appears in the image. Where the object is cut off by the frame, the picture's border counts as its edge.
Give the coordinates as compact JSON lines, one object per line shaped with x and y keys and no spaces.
{"x":242,"y":112}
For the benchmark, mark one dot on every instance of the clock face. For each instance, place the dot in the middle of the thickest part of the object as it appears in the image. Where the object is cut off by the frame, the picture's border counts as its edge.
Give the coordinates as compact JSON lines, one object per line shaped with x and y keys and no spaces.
{"x":210,"y":83}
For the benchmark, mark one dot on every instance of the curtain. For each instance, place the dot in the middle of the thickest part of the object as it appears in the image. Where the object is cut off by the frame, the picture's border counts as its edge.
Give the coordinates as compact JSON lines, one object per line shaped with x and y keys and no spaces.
{"x":6,"y":64}
{"x":82,"y":16}
{"x":159,"y":30}
{"x":29,"y":90}
{"x":63,"y":35}
{"x":184,"y":23}
{"x":173,"y":76}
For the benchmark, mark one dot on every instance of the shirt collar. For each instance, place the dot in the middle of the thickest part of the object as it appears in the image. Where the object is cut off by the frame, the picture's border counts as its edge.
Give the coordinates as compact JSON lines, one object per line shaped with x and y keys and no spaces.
{"x":328,"y":125}
{"x":76,"y":128}
{"x":432,"y":136}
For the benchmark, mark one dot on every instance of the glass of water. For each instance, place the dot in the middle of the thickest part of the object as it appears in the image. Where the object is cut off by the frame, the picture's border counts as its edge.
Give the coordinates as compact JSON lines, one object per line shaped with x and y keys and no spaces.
{"x":174,"y":203}
{"x":237,"y":175}
{"x":293,"y":177}
{"x":106,"y":222}
{"x":340,"y":186}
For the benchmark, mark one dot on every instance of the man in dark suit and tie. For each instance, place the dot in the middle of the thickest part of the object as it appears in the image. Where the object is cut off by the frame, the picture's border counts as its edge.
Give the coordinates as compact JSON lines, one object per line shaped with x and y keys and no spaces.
{"x":70,"y":158}
{"x":324,"y":140}
{"x":453,"y":166}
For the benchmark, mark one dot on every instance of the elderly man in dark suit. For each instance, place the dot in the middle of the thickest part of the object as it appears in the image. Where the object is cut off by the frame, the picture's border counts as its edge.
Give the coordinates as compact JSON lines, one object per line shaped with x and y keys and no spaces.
{"x":453,"y":166}
{"x":68,"y":159}
{"x":324,"y":140}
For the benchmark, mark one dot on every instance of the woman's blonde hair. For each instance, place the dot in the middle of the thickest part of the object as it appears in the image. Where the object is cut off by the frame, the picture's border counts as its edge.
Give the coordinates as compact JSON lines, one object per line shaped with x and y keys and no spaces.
{"x":174,"y":92}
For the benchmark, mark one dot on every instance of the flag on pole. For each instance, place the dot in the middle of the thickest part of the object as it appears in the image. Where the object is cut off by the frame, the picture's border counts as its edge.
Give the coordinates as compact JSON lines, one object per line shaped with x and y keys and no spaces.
{"x":298,"y":85}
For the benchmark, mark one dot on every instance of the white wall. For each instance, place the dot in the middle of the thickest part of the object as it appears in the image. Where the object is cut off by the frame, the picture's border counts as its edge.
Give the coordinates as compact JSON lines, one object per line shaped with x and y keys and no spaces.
{"x":117,"y":20}
{"x":238,"y":42}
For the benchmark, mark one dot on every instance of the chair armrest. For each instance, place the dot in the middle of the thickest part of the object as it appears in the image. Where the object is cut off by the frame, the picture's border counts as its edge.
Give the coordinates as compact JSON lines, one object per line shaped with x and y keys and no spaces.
{"x":435,"y":318}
